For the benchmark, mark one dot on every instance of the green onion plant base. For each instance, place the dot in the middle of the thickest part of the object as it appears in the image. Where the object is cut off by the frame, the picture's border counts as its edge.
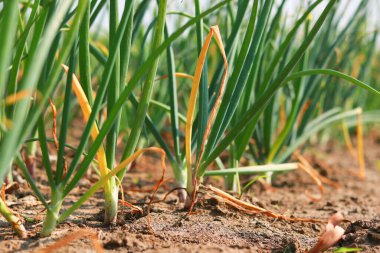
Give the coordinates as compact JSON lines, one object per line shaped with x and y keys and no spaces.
{"x":52,"y":215}
{"x":13,"y":219}
{"x":111,"y":202}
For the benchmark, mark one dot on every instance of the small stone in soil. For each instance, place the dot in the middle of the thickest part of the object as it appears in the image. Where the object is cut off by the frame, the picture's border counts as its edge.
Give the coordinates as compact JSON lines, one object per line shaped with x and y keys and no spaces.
{"x":171,"y":201}
{"x":217,"y":219}
{"x":156,"y":210}
{"x":81,"y":225}
{"x":212,"y":201}
{"x":315,"y":227}
{"x":113,"y":244}
{"x":274,"y":202}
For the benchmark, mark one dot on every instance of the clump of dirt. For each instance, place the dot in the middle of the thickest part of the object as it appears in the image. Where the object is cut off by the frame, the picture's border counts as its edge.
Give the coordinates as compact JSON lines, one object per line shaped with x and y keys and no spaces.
{"x":362,"y":233}
{"x":215,"y":226}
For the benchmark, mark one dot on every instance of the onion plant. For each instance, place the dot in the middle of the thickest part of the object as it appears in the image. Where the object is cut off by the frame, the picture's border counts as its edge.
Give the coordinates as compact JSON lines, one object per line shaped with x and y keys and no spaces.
{"x":259,"y":82}
{"x":48,"y":40}
{"x":36,"y":44}
{"x":269,"y":69}
{"x":286,"y":119}
{"x":40,"y":65}
{"x":262,"y":69}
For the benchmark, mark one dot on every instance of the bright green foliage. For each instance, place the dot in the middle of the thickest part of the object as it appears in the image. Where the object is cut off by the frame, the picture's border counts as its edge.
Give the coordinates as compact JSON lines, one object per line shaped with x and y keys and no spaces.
{"x":289,"y":77}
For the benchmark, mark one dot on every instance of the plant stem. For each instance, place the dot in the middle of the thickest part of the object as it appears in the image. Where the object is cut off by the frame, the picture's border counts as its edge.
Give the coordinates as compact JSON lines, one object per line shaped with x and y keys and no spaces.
{"x":111,"y":192}
{"x":12,"y":219}
{"x":189,"y":188}
{"x":111,"y":189}
{"x":180,"y":176}
{"x":230,"y":179}
{"x":52,"y":215}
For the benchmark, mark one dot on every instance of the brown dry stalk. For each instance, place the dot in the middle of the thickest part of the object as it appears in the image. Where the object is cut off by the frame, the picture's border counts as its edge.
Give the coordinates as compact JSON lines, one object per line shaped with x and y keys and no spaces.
{"x":316,"y":179}
{"x":171,"y":191}
{"x":314,"y":174}
{"x":123,"y":202}
{"x":233,"y":204}
{"x":54,"y":130}
{"x":81,"y":233}
{"x":214,"y":32}
{"x":323,"y":179}
{"x":303,"y":111}
{"x":135,"y":209}
{"x":29,"y":162}
{"x":241,"y":203}
{"x":163,"y":199}
{"x":252,"y":209}
{"x":54,"y":111}
{"x":150,"y":189}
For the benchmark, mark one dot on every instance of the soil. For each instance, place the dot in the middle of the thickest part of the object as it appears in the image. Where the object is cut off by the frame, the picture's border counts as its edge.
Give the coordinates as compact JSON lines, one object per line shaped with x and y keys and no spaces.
{"x":216,"y":227}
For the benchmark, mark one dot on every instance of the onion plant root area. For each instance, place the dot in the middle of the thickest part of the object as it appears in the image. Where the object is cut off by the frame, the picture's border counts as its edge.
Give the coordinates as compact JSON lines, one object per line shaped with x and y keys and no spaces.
{"x":214,"y":226}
